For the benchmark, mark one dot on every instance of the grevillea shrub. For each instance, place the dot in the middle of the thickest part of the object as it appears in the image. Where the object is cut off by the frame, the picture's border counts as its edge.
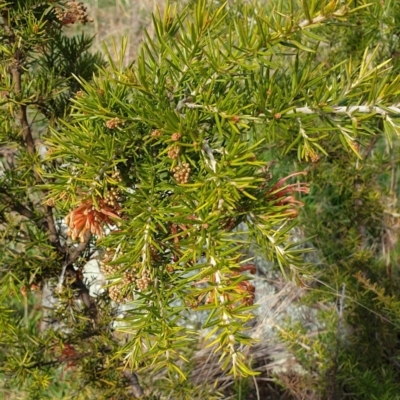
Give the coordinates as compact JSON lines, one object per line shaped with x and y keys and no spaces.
{"x":165,"y":173}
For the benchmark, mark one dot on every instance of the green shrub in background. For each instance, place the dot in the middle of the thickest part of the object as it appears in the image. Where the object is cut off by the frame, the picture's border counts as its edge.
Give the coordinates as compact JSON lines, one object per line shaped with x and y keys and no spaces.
{"x":166,"y":171}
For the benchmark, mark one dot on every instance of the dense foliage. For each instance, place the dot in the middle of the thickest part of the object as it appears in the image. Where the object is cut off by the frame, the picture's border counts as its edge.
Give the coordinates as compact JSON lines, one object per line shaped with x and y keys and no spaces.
{"x":165,"y":173}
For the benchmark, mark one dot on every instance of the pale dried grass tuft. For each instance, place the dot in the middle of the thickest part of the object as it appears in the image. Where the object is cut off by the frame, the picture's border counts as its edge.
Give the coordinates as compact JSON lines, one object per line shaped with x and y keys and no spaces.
{"x":269,"y":357}
{"x":115,"y":19}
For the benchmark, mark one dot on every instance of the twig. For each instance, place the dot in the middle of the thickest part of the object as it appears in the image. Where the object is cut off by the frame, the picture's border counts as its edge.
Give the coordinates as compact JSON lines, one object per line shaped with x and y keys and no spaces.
{"x":52,"y":230}
{"x":333,"y":386}
{"x":83,"y":290}
{"x":363,"y":109}
{"x":26,"y":131}
{"x":211,"y":160}
{"x":77,"y":282}
{"x":135,"y":388}
{"x":9,"y":155}
{"x":72,"y":257}
{"x":341,"y":305}
{"x":370,"y":147}
{"x":46,"y":224}
{"x":322,"y":18}
{"x":256,"y":386}
{"x":17,"y":206}
{"x":16,"y":72}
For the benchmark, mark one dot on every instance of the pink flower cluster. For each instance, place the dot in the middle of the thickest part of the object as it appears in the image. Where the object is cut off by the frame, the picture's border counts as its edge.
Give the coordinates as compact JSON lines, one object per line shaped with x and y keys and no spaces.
{"x":89,"y":217}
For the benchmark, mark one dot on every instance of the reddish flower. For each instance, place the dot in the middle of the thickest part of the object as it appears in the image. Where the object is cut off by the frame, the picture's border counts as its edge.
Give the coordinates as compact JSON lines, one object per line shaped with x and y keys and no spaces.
{"x":68,"y":351}
{"x":248,"y":290}
{"x":89,"y":217}
{"x":69,"y":355}
{"x":283,"y":195}
{"x":244,"y":289}
{"x":248,"y":267}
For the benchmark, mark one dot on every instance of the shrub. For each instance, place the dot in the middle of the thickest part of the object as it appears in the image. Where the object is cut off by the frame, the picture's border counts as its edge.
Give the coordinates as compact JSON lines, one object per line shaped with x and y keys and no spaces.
{"x":167,"y":172}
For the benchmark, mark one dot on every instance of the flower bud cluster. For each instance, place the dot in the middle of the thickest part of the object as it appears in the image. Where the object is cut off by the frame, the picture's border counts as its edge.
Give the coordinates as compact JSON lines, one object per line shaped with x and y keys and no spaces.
{"x":112,"y":197}
{"x":116,"y":175}
{"x":119,"y":291}
{"x":119,"y":294}
{"x":50,"y":151}
{"x":154,"y":253}
{"x":312,"y":155}
{"x":74,"y":12}
{"x":355,"y":146}
{"x":173,"y":152}
{"x":176,"y":136}
{"x":182,"y":173}
{"x":50,"y":202}
{"x":129,"y":277}
{"x":113,"y":123}
{"x":122,"y":289}
{"x":24,"y":291}
{"x":156,"y":133}
{"x":143,"y":282}
{"x":107,"y":269}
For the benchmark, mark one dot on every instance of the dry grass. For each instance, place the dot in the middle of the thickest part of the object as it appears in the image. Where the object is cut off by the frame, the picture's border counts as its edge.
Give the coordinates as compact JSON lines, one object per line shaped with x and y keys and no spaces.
{"x":115,"y":19}
{"x":269,"y":356}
